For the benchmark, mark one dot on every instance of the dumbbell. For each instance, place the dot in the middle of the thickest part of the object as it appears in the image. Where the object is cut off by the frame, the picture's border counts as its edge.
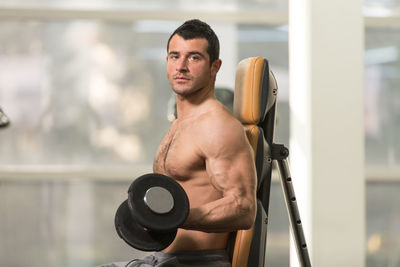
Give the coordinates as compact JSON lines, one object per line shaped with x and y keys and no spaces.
{"x":156,"y":206}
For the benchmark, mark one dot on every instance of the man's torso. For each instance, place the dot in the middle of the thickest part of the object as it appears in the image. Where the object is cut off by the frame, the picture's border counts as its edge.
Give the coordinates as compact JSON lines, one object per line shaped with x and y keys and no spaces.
{"x":180,"y":158}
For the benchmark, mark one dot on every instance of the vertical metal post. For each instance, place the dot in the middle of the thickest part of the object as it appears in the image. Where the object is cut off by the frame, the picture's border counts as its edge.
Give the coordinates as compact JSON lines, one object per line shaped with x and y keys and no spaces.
{"x":280,"y":154}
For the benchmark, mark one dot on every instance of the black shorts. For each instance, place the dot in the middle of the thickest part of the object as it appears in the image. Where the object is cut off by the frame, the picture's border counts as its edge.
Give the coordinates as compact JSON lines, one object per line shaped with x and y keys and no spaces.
{"x":206,"y":258}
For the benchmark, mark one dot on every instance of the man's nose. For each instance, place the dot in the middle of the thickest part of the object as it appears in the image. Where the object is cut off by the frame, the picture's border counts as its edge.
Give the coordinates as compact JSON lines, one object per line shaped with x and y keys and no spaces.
{"x":182,"y":65}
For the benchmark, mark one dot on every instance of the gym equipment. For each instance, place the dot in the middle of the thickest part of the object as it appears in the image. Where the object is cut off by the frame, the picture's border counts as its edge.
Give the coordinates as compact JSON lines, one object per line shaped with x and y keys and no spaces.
{"x":156,"y":206}
{"x":4,"y":121}
{"x":255,"y":106}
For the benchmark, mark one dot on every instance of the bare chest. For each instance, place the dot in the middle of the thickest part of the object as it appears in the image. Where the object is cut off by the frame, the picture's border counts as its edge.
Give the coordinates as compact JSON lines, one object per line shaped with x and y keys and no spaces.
{"x":177,"y":155}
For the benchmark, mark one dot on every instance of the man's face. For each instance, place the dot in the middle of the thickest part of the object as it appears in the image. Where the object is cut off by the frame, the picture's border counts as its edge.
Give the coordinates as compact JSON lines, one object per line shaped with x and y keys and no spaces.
{"x":189,"y":67}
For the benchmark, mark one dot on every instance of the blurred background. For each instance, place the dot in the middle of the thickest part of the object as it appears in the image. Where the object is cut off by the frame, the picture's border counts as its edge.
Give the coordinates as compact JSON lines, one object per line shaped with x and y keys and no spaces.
{"x":84,"y":86}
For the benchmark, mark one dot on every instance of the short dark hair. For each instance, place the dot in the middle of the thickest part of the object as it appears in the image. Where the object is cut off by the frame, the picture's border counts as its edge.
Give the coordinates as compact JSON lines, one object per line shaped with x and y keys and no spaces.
{"x":195,"y":28}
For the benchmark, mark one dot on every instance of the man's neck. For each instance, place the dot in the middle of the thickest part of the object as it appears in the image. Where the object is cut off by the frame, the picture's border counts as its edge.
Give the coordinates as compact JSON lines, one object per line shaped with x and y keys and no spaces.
{"x":193,"y":105}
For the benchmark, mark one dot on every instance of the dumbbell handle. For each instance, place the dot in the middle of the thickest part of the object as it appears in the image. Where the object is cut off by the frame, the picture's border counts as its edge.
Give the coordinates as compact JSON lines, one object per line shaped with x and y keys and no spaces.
{"x":156,"y":207}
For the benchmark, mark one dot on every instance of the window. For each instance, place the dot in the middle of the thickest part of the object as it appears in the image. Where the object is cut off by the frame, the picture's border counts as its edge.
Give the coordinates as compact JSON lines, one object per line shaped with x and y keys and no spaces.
{"x":84,"y":86}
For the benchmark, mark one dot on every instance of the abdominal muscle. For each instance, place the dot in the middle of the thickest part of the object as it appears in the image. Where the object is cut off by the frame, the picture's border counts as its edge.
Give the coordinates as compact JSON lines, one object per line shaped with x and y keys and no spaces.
{"x":188,"y":240}
{"x":199,"y":191}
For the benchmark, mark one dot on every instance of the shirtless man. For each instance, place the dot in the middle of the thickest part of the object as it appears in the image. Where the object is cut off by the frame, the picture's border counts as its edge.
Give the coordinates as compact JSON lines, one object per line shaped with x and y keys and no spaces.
{"x":206,"y":151}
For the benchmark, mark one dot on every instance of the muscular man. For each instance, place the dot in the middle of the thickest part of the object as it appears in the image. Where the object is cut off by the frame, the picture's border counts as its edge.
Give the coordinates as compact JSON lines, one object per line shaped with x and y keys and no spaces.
{"x":207,"y":152}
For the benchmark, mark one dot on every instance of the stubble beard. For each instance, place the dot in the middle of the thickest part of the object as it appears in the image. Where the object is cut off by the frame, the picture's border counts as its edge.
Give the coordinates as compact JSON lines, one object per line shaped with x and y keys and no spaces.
{"x":189,"y":89}
{"x":186,"y":89}
{"x":184,"y":92}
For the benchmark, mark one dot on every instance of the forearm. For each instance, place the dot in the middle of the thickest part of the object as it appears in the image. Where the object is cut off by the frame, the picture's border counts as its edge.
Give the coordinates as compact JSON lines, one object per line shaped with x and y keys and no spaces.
{"x":223,"y":215}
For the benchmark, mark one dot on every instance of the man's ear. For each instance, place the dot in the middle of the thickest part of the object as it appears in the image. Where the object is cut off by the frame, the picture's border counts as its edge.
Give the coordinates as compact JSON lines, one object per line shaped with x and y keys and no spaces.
{"x":215,"y":66}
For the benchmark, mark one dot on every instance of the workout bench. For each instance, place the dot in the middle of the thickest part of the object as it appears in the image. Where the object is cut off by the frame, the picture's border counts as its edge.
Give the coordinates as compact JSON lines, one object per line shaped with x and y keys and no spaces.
{"x":255,"y":106}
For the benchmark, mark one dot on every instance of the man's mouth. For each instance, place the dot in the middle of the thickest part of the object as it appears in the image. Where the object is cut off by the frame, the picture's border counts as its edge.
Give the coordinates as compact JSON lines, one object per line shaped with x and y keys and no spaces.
{"x":181,"y":78}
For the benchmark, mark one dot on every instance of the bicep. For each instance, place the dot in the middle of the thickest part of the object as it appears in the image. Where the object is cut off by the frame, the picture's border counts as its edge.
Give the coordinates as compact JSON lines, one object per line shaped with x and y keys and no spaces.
{"x":231,"y":168}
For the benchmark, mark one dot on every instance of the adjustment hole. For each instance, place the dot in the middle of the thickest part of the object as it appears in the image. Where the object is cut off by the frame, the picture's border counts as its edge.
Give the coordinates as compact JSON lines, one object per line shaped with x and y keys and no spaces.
{"x":293,"y":199}
{"x":304,"y":246}
{"x":289,"y":179}
{"x":298,"y":222}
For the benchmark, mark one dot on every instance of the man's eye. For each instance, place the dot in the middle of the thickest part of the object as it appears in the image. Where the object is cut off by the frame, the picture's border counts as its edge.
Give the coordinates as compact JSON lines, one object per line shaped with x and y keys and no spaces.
{"x":174,"y":57}
{"x":194,"y":58}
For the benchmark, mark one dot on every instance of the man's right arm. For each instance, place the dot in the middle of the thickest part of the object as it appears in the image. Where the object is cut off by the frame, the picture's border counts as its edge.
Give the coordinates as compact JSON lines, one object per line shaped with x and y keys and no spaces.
{"x":231,"y":169}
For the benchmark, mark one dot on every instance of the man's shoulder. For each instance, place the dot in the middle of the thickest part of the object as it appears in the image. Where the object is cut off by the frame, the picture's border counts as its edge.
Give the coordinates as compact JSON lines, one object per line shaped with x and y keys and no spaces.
{"x":220,"y":119}
{"x":219,"y":127}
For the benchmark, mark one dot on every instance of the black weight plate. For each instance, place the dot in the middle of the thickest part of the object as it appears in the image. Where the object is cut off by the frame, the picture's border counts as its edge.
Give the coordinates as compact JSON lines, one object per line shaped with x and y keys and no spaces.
{"x":150,"y":219}
{"x":136,"y":236}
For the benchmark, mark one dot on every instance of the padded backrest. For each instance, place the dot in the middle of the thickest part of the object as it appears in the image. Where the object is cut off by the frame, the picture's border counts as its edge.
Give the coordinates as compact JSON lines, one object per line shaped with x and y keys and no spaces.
{"x":253,"y":97}
{"x":255,"y":105}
